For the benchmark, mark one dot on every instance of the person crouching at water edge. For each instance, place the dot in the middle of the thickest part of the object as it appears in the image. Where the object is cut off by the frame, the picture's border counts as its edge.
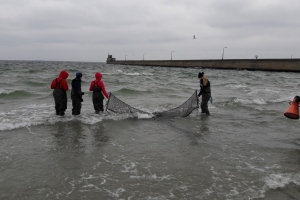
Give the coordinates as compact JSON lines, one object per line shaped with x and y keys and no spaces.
{"x":205,"y":92}
{"x":98,"y":88}
{"x":60,"y":87}
{"x":76,"y":94}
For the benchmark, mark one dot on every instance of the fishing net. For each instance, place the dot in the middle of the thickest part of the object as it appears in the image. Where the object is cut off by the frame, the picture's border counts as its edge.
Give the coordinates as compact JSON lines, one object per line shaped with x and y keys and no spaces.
{"x":117,"y":106}
{"x":183,"y":110}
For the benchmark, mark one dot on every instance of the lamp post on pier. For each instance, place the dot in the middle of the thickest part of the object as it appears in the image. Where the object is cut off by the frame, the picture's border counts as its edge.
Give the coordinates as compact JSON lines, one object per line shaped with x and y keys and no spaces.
{"x":125,"y":57}
{"x":223,"y":52}
{"x":143,"y":56}
{"x":171,"y":54}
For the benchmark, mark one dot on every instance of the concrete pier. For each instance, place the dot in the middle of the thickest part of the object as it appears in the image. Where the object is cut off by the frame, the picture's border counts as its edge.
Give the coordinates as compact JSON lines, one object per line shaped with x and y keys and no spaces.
{"x":280,"y":65}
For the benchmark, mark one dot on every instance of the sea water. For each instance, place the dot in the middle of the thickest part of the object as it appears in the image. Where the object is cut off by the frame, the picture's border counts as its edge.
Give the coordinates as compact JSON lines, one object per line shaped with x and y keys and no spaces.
{"x":246,"y":148}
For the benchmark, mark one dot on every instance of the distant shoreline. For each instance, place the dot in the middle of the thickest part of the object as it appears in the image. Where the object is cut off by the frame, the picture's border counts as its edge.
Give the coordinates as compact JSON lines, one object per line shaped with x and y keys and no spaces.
{"x":279,"y":65}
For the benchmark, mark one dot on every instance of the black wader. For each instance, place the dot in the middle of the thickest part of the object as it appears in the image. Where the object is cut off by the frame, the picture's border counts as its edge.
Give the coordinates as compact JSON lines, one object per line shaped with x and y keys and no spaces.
{"x":205,"y":98}
{"x":97,"y":98}
{"x":60,"y":99}
{"x":76,"y":96}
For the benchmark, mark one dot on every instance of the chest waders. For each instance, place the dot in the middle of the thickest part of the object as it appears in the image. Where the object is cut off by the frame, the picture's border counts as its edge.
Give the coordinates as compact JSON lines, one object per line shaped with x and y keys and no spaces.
{"x":97,"y":97}
{"x":76,"y":100}
{"x":60,"y":99}
{"x":205,"y":98}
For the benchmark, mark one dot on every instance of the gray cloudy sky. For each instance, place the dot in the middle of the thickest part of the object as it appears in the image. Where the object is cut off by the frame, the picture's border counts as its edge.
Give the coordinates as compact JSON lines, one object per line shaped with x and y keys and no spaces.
{"x":87,"y":30}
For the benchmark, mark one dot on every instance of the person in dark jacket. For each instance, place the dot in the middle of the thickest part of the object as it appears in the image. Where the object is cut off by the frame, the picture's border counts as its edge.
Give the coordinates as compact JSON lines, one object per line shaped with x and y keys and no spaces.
{"x":98,"y":88}
{"x":205,"y":92}
{"x":60,"y":87}
{"x":76,"y":94}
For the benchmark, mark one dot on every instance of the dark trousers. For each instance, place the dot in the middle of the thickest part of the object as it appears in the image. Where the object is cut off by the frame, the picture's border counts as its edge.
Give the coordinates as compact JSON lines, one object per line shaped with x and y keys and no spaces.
{"x":98,"y":101}
{"x":76,"y":103}
{"x":60,"y":100}
{"x":204,"y":106}
{"x":60,"y":109}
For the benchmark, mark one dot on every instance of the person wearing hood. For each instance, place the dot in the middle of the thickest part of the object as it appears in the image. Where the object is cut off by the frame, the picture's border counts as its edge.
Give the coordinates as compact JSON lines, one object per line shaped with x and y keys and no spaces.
{"x":205,"y":92}
{"x":60,"y":87}
{"x":76,"y":94}
{"x":98,"y":88}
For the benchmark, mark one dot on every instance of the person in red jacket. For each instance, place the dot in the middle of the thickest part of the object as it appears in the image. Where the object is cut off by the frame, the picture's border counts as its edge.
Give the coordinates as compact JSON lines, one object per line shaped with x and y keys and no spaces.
{"x":98,"y":88}
{"x":60,"y":87}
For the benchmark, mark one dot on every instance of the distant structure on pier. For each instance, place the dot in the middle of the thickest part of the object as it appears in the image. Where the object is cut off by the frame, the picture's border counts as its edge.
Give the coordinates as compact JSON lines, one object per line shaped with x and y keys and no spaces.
{"x":110,"y":58}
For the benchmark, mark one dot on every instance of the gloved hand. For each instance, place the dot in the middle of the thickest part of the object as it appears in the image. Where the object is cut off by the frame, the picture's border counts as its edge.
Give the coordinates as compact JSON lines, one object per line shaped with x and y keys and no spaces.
{"x":82,"y":93}
{"x":81,"y":100}
{"x":297,"y":98}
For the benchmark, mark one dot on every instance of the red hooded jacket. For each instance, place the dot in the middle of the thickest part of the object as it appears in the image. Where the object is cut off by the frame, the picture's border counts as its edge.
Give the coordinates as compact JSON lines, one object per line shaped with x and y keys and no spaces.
{"x":62,"y":80}
{"x":100,"y":84}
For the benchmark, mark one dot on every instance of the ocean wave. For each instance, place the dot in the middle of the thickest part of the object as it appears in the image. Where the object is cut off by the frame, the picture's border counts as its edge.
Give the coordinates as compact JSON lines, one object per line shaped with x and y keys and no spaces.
{"x":264,"y":91}
{"x":237,"y":85}
{"x":128,"y":73}
{"x":43,"y":114}
{"x":258,"y":101}
{"x":35,"y":83}
{"x":31,"y":71}
{"x":281,"y":99}
{"x":129,"y":91}
{"x":13,"y":94}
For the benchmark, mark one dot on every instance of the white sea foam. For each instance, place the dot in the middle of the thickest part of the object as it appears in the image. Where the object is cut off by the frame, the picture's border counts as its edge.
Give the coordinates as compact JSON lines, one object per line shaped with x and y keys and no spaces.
{"x":144,"y":116}
{"x":117,"y":193}
{"x":281,"y":98}
{"x":255,"y":90}
{"x":6,"y":91}
{"x":237,"y":86}
{"x":43,"y":114}
{"x":133,"y":74}
{"x":258,"y":101}
{"x":131,"y":168}
{"x":274,"y":181}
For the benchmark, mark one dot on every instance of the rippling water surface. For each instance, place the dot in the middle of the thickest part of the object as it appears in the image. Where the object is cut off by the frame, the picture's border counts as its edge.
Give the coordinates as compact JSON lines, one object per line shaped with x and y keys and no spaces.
{"x":246,"y":148}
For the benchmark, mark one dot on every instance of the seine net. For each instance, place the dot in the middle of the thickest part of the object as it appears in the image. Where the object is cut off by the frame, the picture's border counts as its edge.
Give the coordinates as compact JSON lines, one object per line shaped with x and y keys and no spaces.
{"x":183,"y":110}
{"x":117,"y":106}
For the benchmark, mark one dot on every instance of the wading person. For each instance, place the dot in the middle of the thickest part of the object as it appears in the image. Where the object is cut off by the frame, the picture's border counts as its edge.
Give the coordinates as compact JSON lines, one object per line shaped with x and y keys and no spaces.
{"x":60,"y":87}
{"x":205,"y":92}
{"x":98,"y":88}
{"x":76,"y":94}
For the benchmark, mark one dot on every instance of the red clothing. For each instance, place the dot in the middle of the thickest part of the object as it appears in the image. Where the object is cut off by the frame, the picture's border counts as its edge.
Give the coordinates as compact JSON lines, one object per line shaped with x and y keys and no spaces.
{"x":62,"y":80}
{"x":98,"y":82}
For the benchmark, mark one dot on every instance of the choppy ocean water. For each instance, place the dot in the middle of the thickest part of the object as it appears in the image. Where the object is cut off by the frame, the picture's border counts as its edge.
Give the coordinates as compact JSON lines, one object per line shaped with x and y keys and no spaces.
{"x":246,"y":149}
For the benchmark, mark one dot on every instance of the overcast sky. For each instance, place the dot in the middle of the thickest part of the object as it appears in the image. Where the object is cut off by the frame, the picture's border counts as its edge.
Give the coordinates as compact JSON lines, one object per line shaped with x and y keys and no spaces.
{"x":89,"y":30}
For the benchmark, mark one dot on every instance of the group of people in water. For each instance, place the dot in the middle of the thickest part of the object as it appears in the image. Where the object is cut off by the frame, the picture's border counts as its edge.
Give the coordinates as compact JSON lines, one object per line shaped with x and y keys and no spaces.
{"x":60,"y":87}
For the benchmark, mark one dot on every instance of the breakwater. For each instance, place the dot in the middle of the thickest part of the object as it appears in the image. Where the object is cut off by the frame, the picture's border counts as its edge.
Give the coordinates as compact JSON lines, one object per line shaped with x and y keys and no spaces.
{"x":283,"y":65}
